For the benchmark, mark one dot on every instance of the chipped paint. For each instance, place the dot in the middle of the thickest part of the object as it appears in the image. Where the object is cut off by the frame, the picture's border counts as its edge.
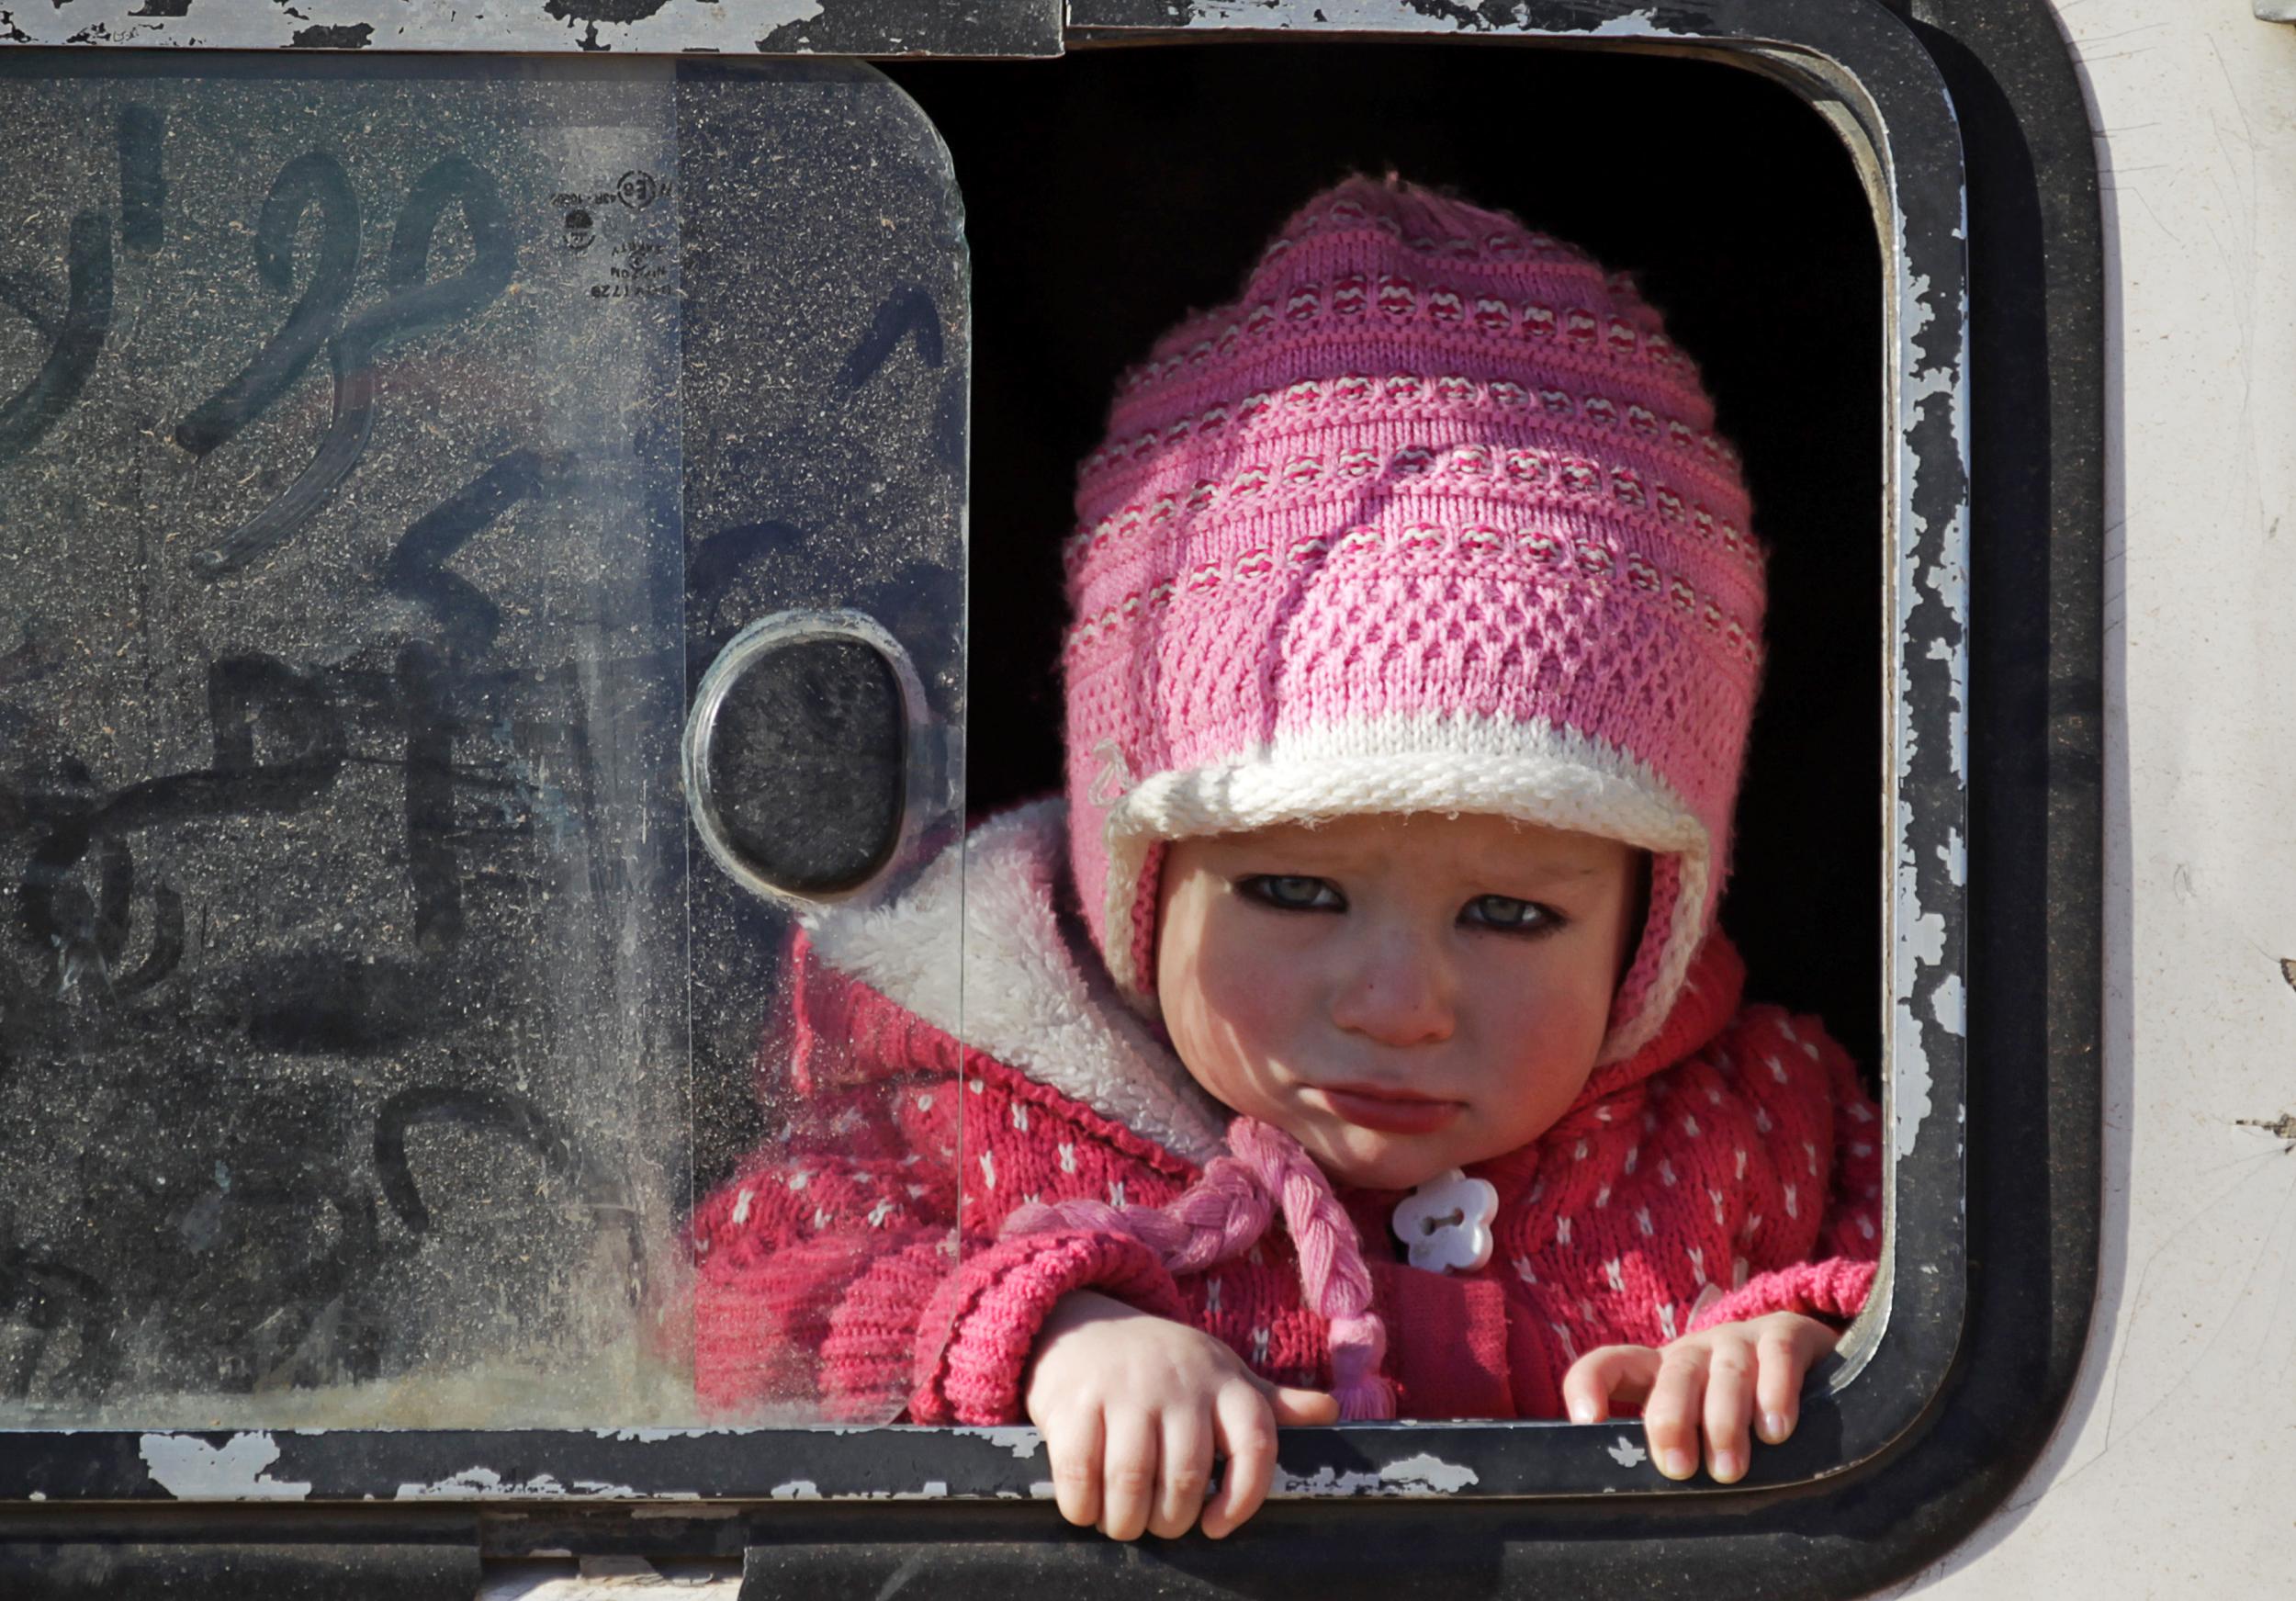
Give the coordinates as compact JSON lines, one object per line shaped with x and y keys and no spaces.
{"x":1422,"y":17}
{"x":1931,"y":591}
{"x":428,"y":25}
{"x":1946,"y":1004}
{"x":189,"y":1468}
{"x":667,"y":27}
{"x":1019,"y":1439}
{"x":1422,"y":1474}
{"x":1637,"y":24}
{"x":797,"y":1490}
{"x":1385,"y":15}
{"x":1627,"y":1453}
{"x":486,"y":1484}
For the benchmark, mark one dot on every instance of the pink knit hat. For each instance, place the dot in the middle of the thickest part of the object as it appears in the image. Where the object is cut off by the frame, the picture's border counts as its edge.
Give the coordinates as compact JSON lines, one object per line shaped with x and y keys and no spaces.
{"x":1432,"y":520}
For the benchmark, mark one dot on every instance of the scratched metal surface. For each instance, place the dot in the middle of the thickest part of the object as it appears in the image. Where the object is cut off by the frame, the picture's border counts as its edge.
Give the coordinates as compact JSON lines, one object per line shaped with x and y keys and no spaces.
{"x":347,"y":1018}
{"x":885,"y":28}
{"x":2169,"y":1473}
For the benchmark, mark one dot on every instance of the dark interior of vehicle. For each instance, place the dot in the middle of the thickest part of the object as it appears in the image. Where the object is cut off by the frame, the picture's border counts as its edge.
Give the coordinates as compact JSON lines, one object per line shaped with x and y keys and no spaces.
{"x":1109,"y":192}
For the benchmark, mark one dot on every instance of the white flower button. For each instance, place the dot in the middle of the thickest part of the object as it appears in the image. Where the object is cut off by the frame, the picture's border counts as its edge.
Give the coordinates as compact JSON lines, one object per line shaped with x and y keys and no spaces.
{"x":1446,"y":1222}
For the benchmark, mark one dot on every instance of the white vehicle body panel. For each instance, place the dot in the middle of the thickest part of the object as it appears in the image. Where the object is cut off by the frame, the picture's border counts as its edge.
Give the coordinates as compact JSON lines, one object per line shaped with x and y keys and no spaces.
{"x":2170,"y":1472}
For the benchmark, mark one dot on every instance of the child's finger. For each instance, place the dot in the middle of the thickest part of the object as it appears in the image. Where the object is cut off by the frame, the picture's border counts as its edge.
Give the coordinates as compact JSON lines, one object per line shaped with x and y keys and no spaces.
{"x":1245,"y":1425}
{"x":1073,"y":1445}
{"x":1613,"y":1373}
{"x":1183,"y":1471}
{"x":1671,"y":1416}
{"x":1294,"y":1406}
{"x":1729,"y":1407}
{"x":1128,"y":1474}
{"x":1783,"y":1355}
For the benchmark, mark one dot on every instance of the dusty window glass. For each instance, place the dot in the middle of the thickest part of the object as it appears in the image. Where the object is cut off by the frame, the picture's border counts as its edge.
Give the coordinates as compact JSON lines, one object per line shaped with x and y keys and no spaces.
{"x":390,"y":452}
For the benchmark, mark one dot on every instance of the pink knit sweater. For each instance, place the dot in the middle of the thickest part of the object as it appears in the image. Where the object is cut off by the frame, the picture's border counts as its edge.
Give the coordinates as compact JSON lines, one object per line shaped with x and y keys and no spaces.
{"x":854,"y":1267}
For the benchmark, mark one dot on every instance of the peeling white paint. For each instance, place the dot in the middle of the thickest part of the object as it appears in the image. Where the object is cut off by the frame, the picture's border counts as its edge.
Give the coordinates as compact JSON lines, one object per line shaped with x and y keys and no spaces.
{"x":1908,"y":1087}
{"x":486,"y":1484}
{"x":189,"y":1468}
{"x":1396,"y":17}
{"x":797,"y":1490}
{"x":1433,"y":1472}
{"x":1414,"y":1475}
{"x":1019,"y":1439}
{"x":1921,"y":941}
{"x":1324,"y":1481}
{"x":1947,"y":1006}
{"x":605,"y":1579}
{"x":1627,"y":1453}
{"x":1634,"y":24}
{"x":1922,"y":938}
{"x":1931,"y":572}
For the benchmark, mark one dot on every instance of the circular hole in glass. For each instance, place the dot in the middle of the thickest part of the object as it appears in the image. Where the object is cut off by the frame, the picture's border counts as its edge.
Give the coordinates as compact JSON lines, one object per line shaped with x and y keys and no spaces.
{"x":807,"y":764}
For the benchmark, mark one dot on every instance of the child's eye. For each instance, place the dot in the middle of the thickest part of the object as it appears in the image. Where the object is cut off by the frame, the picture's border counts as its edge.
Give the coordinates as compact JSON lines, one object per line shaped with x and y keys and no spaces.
{"x":1292,"y":893}
{"x":1509,"y":914}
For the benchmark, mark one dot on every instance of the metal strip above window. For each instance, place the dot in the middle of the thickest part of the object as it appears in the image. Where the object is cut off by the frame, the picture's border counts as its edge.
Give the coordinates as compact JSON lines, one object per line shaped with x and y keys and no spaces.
{"x":732,"y":28}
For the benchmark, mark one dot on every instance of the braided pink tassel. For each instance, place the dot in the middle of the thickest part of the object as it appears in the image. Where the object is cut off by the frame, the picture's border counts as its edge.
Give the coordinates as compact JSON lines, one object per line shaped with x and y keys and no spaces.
{"x":1332,"y":1271}
{"x":1223,"y":1213}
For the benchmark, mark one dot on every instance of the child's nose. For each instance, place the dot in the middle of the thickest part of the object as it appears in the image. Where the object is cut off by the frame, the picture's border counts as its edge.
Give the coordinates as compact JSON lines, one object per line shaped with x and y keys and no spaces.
{"x":1398,"y":991}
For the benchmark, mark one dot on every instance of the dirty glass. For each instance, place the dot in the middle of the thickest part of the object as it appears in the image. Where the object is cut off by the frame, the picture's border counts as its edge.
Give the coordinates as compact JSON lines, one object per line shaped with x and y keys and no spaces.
{"x":389,"y":450}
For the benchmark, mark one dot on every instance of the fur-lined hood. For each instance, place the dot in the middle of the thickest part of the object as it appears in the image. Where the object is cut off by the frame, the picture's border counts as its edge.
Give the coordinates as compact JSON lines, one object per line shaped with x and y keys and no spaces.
{"x":1029,"y":989}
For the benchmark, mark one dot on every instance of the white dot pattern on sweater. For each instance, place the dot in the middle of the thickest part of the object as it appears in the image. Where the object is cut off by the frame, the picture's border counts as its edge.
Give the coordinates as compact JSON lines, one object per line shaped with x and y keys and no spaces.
{"x":1596,"y":1249}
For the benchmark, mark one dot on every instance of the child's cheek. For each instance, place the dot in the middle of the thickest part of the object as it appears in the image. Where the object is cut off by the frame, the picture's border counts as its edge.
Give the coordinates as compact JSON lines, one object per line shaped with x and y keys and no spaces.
{"x":1237,"y":1011}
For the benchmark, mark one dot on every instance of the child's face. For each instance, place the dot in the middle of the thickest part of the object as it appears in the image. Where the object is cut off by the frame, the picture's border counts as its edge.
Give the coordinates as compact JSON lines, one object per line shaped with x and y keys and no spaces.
{"x":1401,"y":995}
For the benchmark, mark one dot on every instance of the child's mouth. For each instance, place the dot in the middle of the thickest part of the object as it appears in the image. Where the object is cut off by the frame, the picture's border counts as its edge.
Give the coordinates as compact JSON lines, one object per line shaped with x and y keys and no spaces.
{"x":1387,"y":1111}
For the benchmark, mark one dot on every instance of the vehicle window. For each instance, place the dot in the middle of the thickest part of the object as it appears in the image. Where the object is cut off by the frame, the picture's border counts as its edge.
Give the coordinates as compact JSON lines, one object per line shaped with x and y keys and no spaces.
{"x":483,"y":719}
{"x":387,"y":451}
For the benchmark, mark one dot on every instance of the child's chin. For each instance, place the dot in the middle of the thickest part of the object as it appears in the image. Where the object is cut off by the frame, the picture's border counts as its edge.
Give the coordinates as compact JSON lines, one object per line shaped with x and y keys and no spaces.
{"x":1395,"y":1165}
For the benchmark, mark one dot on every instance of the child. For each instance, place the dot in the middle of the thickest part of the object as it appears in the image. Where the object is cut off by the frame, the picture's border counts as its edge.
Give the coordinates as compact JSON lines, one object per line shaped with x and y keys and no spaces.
{"x":1416,"y":634}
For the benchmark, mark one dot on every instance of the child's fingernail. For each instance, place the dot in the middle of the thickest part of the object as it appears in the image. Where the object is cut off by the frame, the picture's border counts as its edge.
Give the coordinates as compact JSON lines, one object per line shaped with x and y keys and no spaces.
{"x":1726,"y":1466}
{"x":1678,"y":1464}
{"x":1775,"y":1428}
{"x":1582,"y":1412}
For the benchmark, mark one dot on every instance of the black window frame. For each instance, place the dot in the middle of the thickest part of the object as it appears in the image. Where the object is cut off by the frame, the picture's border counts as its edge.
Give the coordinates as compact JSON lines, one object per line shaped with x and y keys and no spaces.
{"x":1976,"y":143}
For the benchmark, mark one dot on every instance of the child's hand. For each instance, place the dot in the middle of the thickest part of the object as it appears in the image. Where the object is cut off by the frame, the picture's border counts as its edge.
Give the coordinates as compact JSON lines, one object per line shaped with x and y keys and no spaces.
{"x":1723,"y":1377}
{"x":1134,"y":1408}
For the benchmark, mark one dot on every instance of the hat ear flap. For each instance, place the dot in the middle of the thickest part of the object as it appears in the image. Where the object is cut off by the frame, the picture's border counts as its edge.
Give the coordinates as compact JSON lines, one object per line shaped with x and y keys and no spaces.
{"x":1146,"y":912}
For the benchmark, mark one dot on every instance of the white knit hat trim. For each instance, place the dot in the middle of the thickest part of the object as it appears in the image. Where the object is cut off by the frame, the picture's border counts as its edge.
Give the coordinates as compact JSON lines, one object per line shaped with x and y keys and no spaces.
{"x":1450,"y":763}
